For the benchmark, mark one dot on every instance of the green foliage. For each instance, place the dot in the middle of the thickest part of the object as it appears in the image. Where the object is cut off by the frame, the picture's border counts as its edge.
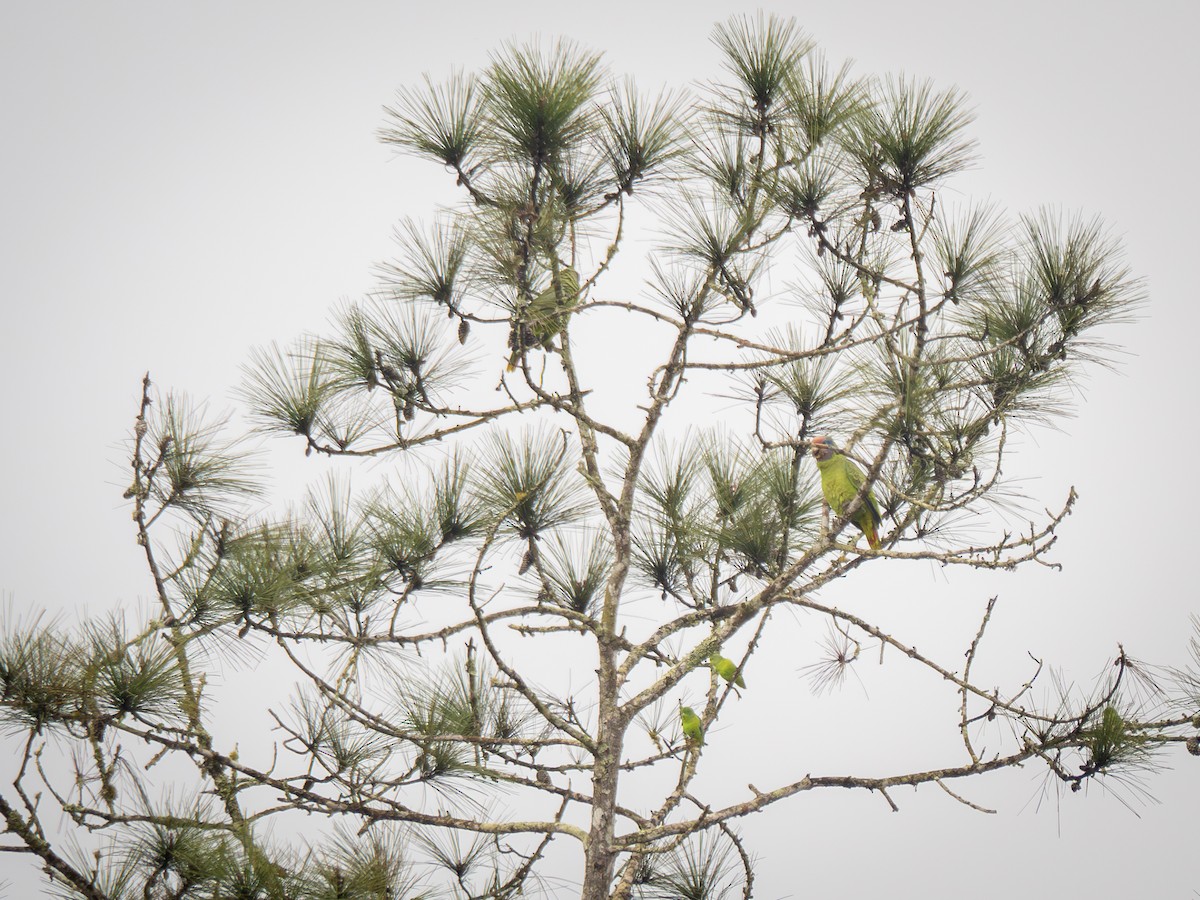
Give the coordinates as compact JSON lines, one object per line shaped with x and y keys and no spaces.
{"x":40,"y":678}
{"x":287,"y":391}
{"x":640,"y":136}
{"x":203,"y":474}
{"x":264,"y":571}
{"x":339,"y":746}
{"x":437,"y":265}
{"x":132,"y":677}
{"x":458,"y":702}
{"x":822,"y":101}
{"x":815,"y":389}
{"x":1106,"y":739}
{"x":577,"y":574}
{"x":442,"y":121}
{"x":528,"y":485}
{"x":703,"y":867}
{"x":185,"y":854}
{"x":718,"y":503}
{"x":763,"y":55}
{"x":538,"y":104}
{"x":910,"y":137}
{"x":374,"y":866}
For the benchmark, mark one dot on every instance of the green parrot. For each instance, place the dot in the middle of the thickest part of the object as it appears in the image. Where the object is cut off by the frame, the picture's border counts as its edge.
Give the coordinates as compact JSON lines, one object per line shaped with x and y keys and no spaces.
{"x":841,"y":480}
{"x":691,"y":726}
{"x":545,"y":315}
{"x":726,"y":668}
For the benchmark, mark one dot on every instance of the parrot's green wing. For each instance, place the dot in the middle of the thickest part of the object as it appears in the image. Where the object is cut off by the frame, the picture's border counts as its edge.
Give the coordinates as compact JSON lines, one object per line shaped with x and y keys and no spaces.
{"x":853,"y":473}
{"x":546,"y":315}
{"x":727,"y":669}
{"x":690,"y":722}
{"x":855,"y":479}
{"x":548,"y":312}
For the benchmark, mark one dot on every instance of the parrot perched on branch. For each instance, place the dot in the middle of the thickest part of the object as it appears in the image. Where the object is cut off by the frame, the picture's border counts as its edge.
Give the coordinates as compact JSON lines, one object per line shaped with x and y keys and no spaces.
{"x":692,"y":729}
{"x":544,"y":317}
{"x":841,"y":480}
{"x":726,"y":668}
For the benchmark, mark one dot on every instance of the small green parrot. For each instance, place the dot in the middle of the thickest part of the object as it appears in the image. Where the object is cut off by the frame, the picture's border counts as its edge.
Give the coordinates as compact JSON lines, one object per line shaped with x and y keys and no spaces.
{"x":726,"y":668}
{"x":545,"y":316}
{"x":691,"y":726}
{"x":841,"y":480}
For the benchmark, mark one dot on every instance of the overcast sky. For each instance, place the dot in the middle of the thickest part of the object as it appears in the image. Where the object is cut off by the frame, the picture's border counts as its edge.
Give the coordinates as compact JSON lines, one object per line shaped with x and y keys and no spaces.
{"x":182,"y":182}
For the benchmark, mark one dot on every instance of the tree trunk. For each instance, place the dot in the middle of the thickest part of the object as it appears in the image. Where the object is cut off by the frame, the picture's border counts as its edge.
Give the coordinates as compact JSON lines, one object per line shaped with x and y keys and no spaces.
{"x":599,"y":855}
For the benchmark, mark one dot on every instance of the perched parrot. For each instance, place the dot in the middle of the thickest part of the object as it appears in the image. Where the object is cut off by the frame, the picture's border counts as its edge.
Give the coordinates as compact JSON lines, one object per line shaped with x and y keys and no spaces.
{"x":545,"y":315}
{"x":726,"y":668}
{"x":841,"y":480}
{"x":691,"y":726}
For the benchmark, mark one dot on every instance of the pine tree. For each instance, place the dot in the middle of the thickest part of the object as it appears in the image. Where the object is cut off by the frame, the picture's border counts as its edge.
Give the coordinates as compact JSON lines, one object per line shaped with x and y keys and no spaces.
{"x":495,"y":639}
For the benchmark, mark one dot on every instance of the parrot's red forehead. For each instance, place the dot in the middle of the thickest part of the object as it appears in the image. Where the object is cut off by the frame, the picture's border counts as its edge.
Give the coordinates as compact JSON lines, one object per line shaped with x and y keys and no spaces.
{"x":822,"y":447}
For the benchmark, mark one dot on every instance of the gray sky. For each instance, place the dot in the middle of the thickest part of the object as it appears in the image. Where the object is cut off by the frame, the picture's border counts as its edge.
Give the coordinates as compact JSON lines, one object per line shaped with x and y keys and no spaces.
{"x":180,"y":183}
